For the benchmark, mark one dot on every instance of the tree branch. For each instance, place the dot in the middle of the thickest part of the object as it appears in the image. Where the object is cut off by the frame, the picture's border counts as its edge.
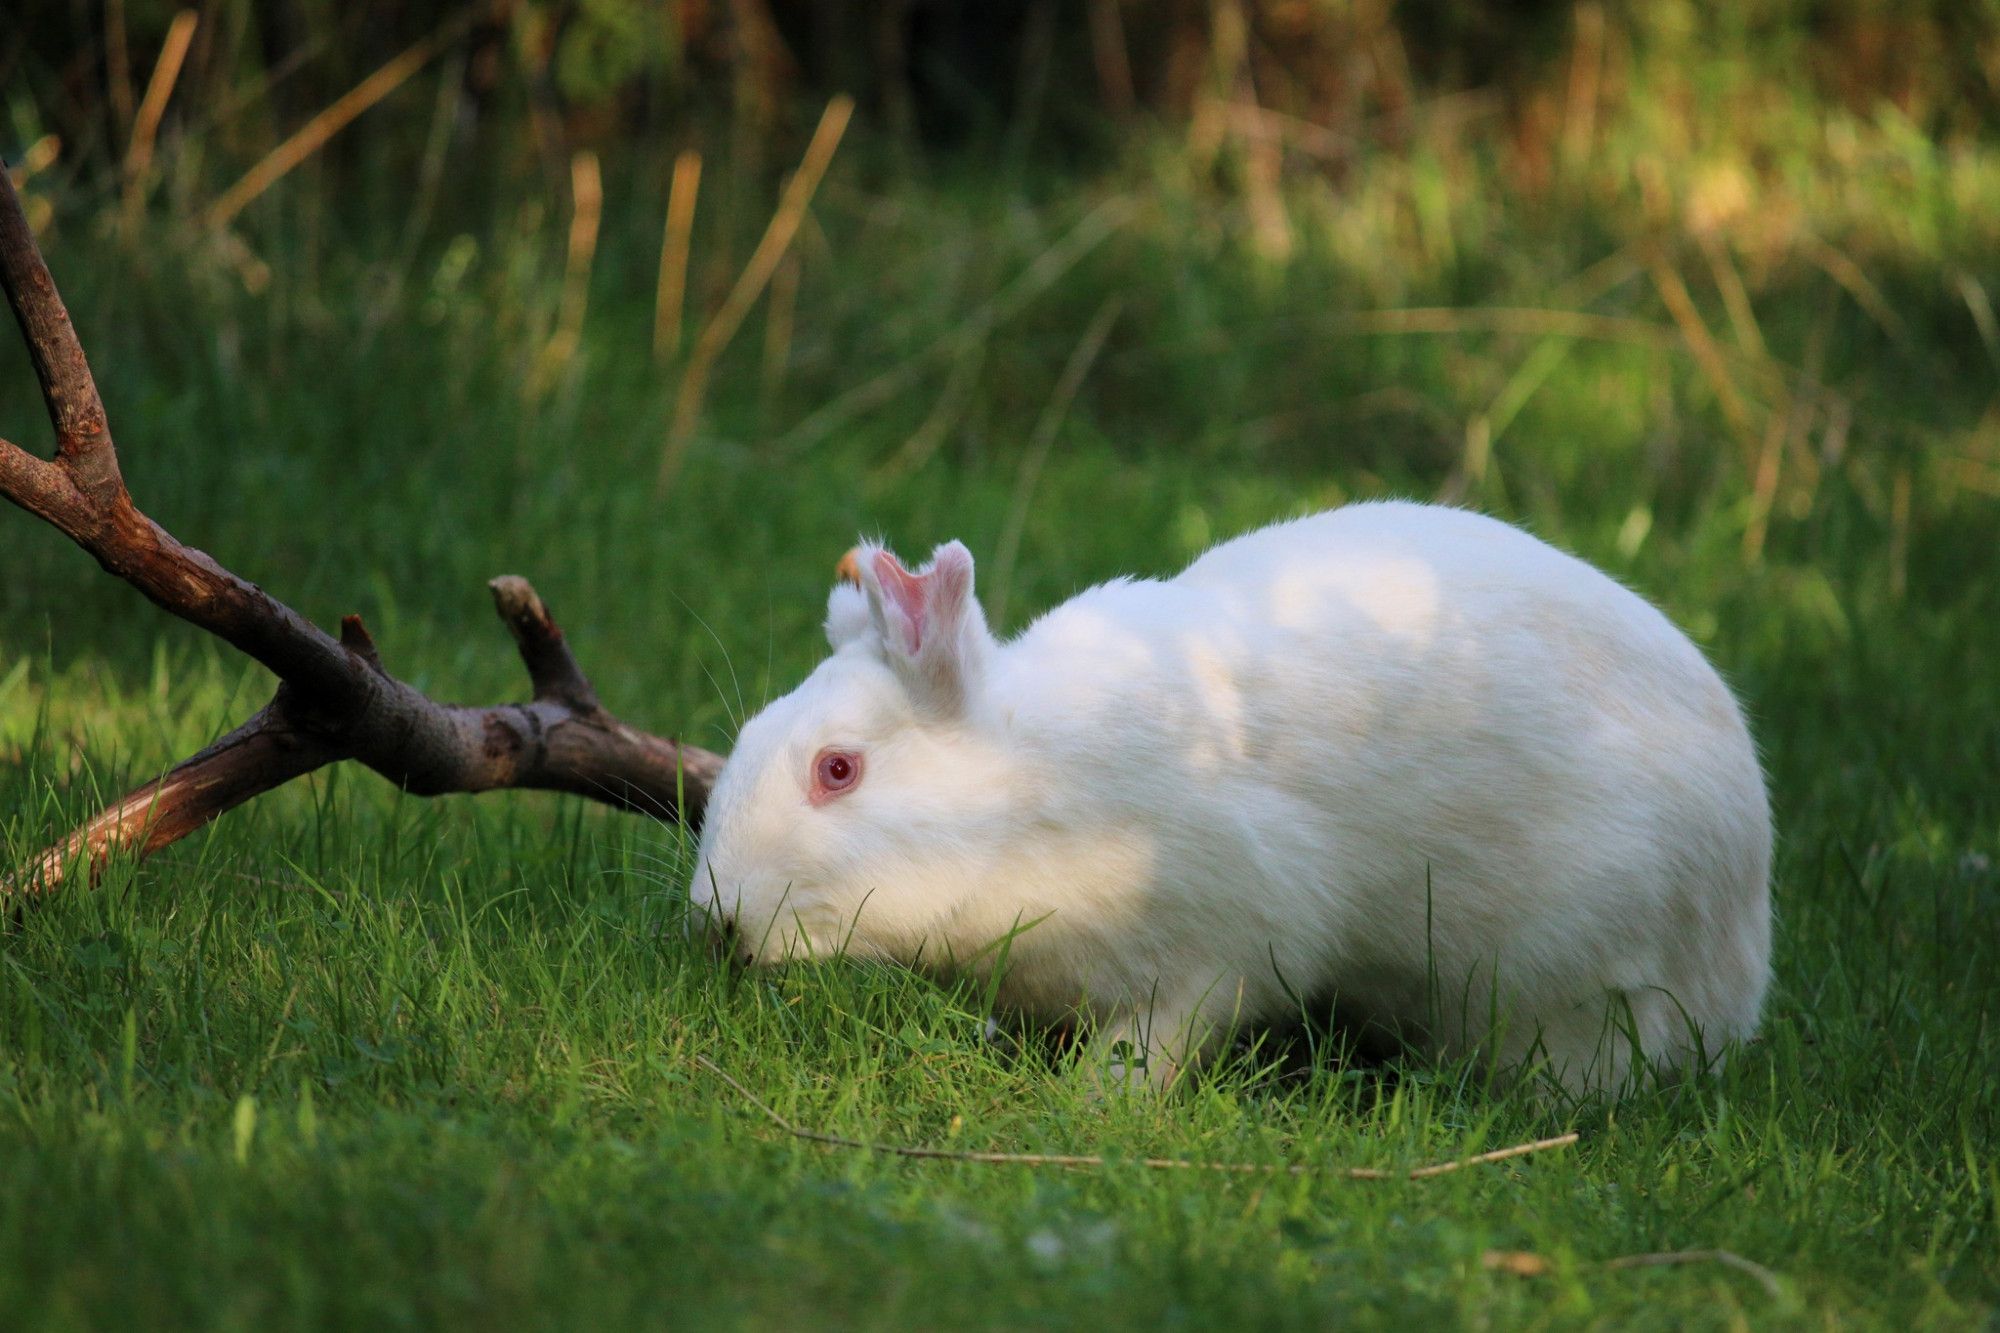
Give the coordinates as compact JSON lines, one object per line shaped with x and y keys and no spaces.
{"x":335,"y":699}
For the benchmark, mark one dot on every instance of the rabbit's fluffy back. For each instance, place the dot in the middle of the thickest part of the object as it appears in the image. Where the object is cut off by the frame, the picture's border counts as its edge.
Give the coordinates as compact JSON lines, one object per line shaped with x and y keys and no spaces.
{"x":1411,"y":757}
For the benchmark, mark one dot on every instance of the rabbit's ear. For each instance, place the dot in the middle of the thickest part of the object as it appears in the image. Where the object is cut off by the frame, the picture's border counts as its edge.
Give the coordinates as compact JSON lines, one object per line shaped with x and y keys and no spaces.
{"x":933,"y":632}
{"x":847,"y":615}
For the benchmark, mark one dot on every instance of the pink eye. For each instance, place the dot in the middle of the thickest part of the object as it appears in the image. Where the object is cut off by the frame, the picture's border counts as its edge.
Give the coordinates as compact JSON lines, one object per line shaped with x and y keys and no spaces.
{"x":834,"y":772}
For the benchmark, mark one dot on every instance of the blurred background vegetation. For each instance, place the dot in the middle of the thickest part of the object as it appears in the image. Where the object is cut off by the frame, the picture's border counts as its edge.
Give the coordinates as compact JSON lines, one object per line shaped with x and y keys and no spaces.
{"x":1714,"y":282}
{"x":1679,"y":164}
{"x":1062,"y":74}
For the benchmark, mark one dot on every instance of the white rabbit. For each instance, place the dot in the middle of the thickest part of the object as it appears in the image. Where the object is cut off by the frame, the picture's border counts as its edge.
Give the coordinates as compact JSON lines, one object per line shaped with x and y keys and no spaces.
{"x":1405,"y":757}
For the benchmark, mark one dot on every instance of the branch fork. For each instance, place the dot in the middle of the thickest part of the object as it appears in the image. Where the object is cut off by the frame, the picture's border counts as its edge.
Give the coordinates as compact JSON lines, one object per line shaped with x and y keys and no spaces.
{"x":336,"y":700}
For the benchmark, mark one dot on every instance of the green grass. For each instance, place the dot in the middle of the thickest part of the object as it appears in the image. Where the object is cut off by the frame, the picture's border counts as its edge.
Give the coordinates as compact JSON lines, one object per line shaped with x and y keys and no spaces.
{"x":352,"y":1057}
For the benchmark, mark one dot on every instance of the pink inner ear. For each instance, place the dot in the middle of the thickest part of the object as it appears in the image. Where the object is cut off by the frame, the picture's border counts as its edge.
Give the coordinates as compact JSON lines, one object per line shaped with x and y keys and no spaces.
{"x":906,"y":592}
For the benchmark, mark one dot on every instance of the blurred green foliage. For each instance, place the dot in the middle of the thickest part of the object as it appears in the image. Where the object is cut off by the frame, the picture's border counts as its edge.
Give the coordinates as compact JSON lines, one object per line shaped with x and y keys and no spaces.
{"x":936,"y":67}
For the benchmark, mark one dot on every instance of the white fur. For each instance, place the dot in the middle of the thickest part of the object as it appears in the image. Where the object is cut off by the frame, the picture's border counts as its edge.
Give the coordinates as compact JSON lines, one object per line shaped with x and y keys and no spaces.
{"x":1407,"y":757}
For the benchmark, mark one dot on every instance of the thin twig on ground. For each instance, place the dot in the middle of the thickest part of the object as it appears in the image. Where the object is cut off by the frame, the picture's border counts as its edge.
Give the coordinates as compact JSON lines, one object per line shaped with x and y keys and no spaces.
{"x":1155,"y":1163}
{"x":1763,"y":1276}
{"x":1528,"y":1264}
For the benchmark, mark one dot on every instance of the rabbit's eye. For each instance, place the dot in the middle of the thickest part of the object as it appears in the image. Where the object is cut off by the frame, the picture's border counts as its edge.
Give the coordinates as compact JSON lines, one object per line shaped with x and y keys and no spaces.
{"x":834,"y":771}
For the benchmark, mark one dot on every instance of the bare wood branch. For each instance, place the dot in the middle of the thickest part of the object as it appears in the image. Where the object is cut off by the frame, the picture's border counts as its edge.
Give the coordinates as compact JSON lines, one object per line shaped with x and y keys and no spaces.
{"x":336,"y":700}
{"x":551,"y":669}
{"x":83,"y":439}
{"x":263,"y":753}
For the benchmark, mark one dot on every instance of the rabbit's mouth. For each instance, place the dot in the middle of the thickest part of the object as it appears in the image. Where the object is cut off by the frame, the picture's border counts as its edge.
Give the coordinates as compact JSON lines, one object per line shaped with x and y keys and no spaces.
{"x":729,"y":946}
{"x":718,"y":930}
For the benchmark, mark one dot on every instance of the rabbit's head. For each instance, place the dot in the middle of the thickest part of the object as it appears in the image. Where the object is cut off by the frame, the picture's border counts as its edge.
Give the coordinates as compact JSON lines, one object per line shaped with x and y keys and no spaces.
{"x":858,"y":812}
